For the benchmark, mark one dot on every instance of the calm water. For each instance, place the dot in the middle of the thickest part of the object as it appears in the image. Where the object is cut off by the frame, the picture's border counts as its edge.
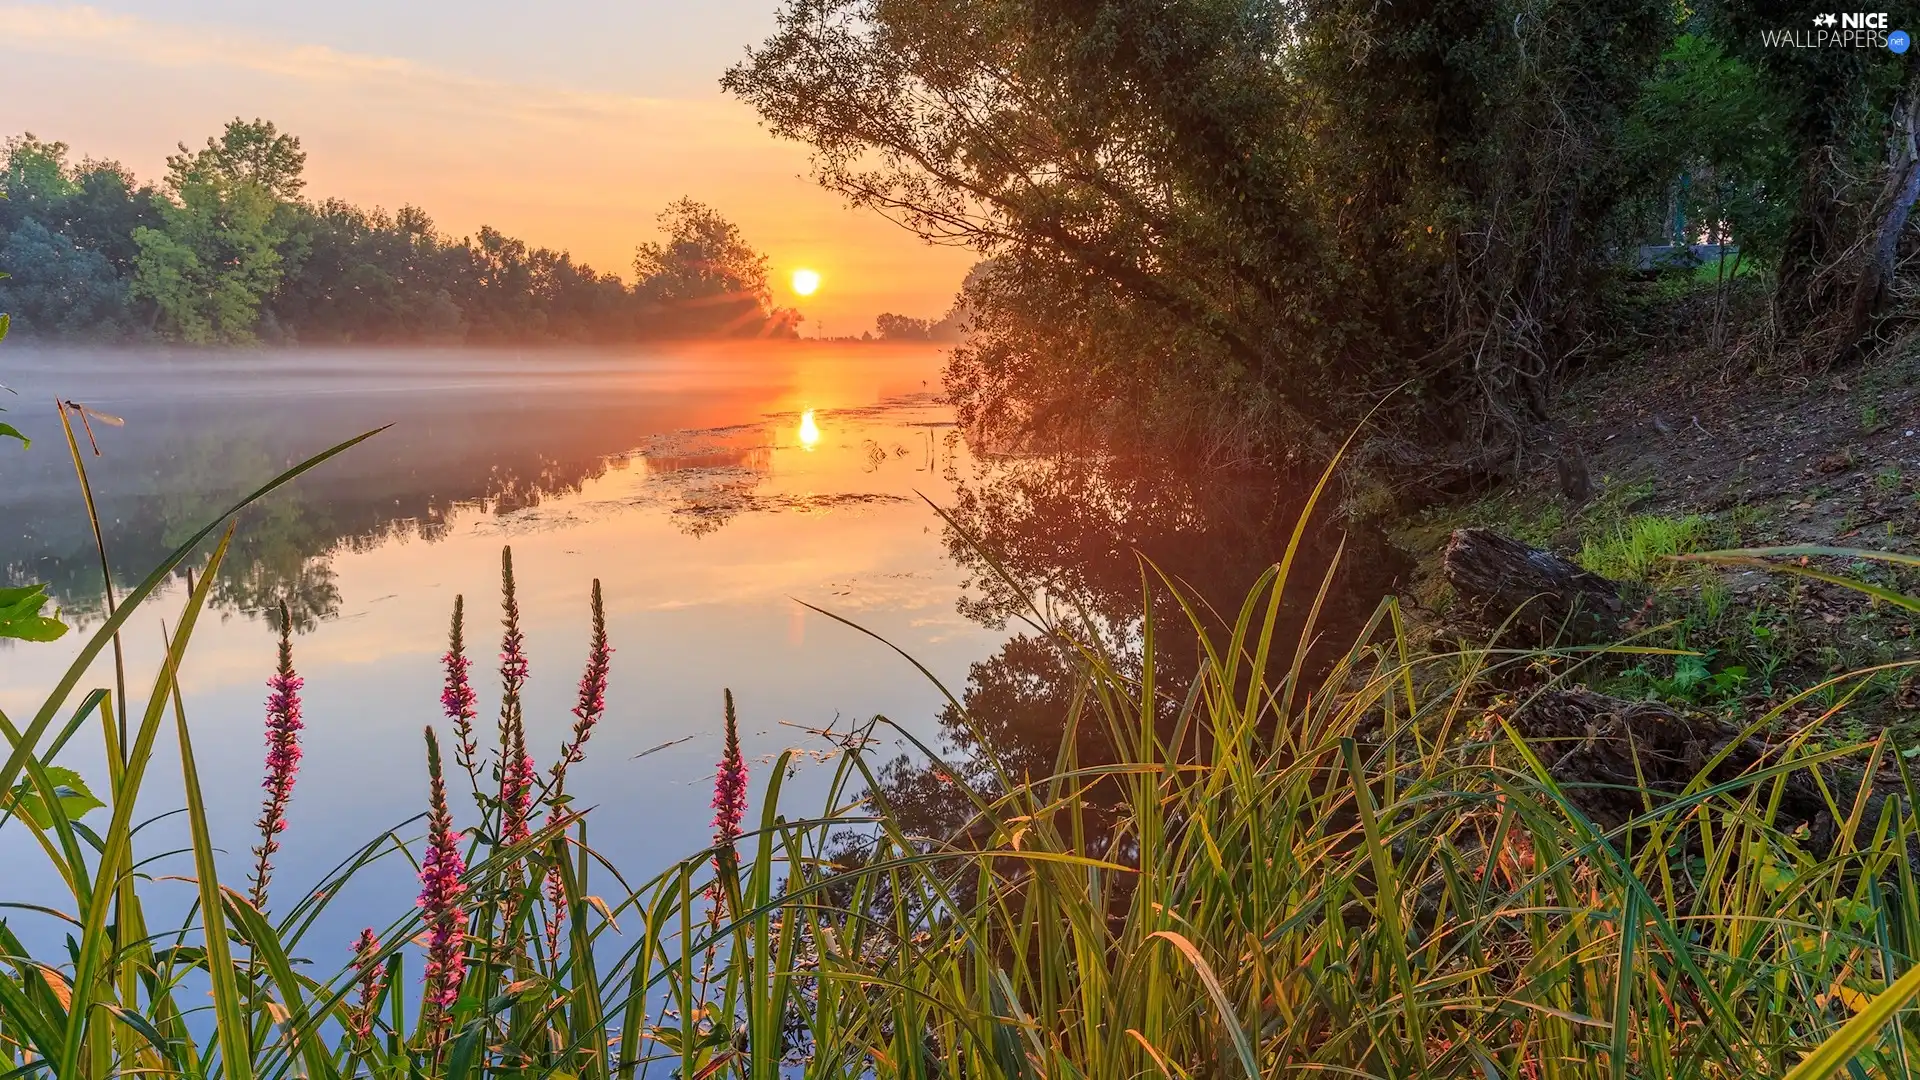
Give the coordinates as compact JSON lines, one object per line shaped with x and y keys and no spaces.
{"x":687,"y":481}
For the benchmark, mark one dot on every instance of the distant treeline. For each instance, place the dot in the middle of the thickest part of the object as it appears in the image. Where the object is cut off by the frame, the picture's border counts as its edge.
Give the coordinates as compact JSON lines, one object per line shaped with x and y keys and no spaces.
{"x":226,"y":250}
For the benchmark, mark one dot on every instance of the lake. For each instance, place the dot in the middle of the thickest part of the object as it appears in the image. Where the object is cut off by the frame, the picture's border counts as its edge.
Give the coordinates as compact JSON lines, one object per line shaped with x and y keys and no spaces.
{"x":715,"y":491}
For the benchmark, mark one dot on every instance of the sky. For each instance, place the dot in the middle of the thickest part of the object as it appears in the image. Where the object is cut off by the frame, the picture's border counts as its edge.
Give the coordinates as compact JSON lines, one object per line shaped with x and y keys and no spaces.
{"x":567,"y":123}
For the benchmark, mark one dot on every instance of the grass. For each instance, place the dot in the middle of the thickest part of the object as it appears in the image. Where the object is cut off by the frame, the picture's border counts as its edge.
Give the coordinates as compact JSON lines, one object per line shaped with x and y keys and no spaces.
{"x":1364,"y":871}
{"x":1640,"y":546}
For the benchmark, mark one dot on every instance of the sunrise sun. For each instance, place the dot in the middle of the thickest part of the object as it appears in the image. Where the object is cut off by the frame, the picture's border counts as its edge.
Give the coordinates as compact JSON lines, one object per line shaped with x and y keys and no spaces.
{"x":805,"y":281}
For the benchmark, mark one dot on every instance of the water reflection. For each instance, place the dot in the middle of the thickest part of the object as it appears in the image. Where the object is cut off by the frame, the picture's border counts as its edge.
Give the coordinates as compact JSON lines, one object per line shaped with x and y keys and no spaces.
{"x":492,"y":434}
{"x":1080,"y":538}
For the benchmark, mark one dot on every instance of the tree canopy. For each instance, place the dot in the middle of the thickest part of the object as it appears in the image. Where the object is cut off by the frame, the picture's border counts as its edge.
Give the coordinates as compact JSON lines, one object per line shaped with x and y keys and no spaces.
{"x":228,"y":249}
{"x":1231,"y":223}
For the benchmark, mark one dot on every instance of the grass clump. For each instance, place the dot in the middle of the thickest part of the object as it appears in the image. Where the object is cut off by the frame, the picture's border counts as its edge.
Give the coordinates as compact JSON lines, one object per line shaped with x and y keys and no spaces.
{"x":1637,"y":548}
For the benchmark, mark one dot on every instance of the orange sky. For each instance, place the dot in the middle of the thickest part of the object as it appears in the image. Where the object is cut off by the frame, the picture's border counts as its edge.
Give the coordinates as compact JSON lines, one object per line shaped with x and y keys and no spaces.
{"x":583,"y":164}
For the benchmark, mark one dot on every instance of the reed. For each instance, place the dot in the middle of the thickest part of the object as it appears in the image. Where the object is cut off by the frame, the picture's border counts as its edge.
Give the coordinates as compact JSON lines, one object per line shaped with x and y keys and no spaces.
{"x":1282,"y":871}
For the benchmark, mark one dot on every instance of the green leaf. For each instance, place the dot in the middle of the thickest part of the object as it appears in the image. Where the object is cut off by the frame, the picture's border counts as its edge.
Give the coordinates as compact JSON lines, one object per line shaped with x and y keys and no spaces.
{"x":8,"y":431}
{"x":1858,"y":1033}
{"x":20,"y":610}
{"x":72,"y":792}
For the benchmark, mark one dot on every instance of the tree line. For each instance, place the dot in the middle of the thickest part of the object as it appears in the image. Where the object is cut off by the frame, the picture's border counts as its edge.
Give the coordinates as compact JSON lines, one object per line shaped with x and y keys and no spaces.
{"x":225,"y":249}
{"x":1227,"y":223}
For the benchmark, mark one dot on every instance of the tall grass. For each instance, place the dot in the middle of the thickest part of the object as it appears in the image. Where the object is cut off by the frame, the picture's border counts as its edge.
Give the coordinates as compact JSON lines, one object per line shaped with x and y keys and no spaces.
{"x":1282,"y":871}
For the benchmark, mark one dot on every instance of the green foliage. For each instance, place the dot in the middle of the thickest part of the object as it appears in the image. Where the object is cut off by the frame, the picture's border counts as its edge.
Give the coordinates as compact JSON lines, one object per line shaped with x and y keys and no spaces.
{"x":1634,"y":550}
{"x":1706,"y":118}
{"x":246,"y":153}
{"x":1365,"y":871}
{"x":67,"y":788}
{"x":62,"y":288}
{"x":214,"y":262}
{"x":20,"y":614}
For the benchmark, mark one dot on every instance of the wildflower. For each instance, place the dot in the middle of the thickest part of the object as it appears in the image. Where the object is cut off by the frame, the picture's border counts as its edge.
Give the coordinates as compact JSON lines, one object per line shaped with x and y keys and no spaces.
{"x":513,"y":657}
{"x":592,"y":702}
{"x":516,"y":765}
{"x":458,"y":697}
{"x":373,"y":976}
{"x":729,"y":799}
{"x":440,"y":892}
{"x":516,"y":787}
{"x":283,"y":759}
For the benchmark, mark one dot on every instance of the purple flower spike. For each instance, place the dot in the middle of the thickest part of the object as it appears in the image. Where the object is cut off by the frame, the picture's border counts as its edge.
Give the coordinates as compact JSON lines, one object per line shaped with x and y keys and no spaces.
{"x":729,"y":800}
{"x":283,"y":759}
{"x":440,"y":892}
{"x":458,"y":697}
{"x":516,"y":792}
{"x":592,"y":703}
{"x":373,"y":974}
{"x":513,"y":657}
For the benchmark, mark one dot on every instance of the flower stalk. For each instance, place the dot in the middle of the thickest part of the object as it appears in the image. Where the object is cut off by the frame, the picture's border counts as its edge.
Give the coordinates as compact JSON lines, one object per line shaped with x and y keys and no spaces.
{"x":283,"y":760}
{"x":440,"y":893}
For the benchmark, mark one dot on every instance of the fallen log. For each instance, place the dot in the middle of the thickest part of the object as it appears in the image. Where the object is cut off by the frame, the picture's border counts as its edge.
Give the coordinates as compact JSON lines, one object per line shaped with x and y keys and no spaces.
{"x":1546,"y":598}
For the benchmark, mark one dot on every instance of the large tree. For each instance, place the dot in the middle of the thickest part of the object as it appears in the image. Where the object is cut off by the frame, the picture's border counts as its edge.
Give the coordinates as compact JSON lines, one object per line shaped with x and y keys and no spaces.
{"x":704,"y":278}
{"x":216,"y":257}
{"x":1236,"y":219}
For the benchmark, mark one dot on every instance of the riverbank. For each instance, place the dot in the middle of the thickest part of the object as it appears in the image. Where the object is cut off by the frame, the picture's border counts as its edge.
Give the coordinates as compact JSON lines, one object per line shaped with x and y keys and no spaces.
{"x":1693,"y":446}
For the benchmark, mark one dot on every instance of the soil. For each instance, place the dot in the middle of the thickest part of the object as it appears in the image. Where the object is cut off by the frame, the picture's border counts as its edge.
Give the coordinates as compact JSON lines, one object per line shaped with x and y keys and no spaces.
{"x":1686,"y":432}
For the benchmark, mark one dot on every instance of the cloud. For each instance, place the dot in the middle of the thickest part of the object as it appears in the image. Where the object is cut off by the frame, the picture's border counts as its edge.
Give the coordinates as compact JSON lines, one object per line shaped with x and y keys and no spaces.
{"x":88,"y":33}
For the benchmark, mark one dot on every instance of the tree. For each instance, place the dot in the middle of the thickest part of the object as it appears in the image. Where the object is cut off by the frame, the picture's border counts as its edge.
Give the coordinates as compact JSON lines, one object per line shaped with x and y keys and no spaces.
{"x":903,"y":328}
{"x":1255,"y":219}
{"x":246,"y":152}
{"x":209,"y":268}
{"x":705,"y":278}
{"x":37,"y":175}
{"x":57,"y":289}
{"x":216,"y":256}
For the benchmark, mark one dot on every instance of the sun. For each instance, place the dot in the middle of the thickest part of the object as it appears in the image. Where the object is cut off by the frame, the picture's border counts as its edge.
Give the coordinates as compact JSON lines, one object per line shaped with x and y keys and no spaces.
{"x":809,"y":431}
{"x":806,"y":281}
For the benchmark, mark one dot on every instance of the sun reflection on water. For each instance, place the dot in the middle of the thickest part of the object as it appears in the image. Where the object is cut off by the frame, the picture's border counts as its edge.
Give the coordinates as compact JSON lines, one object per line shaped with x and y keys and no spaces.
{"x":809,"y":431}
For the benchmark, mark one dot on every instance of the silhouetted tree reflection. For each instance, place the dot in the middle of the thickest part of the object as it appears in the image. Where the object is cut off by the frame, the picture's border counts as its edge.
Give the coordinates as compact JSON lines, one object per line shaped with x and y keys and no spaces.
{"x":1077,"y":538}
{"x":156,"y":484}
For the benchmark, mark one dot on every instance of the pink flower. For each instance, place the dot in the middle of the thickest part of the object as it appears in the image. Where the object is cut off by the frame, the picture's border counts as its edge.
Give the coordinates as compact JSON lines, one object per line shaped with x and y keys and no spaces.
{"x":556,"y":899}
{"x":283,"y":759}
{"x":729,"y":803}
{"x":516,"y":765}
{"x":592,"y":702}
{"x":458,"y":697}
{"x":516,"y":790}
{"x":440,"y":892}
{"x":592,"y":705}
{"x":730,"y":783}
{"x":373,"y":975}
{"x":513,"y":657}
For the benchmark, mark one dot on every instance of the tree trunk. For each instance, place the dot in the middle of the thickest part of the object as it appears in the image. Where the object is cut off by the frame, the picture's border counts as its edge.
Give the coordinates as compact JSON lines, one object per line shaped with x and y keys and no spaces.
{"x":1534,"y":595}
{"x":1876,"y":277}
